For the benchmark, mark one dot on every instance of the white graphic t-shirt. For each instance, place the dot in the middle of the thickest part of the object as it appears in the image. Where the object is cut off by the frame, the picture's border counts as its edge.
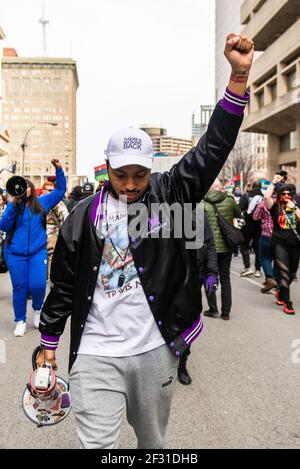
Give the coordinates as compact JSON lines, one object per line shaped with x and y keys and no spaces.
{"x":120,"y":322}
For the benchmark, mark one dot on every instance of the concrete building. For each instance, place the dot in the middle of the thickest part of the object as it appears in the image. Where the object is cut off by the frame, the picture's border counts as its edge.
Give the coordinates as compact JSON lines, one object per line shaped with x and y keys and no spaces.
{"x":228,"y":20}
{"x":4,"y":138}
{"x":274,"y":25}
{"x":39,"y":111}
{"x":200,"y":120}
{"x":163,"y":145}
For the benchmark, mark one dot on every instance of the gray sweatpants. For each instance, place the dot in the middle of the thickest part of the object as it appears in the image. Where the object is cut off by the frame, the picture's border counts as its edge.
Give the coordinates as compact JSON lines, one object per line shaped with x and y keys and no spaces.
{"x":101,"y":388}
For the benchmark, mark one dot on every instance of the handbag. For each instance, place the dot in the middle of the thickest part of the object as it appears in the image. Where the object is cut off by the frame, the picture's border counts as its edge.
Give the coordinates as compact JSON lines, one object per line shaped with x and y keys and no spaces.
{"x":231,"y":235}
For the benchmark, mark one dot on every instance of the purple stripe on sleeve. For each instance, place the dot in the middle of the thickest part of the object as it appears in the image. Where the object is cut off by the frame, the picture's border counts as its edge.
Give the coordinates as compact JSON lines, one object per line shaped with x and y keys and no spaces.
{"x":49,"y":342}
{"x":99,"y":200}
{"x":237,"y":96}
{"x":195,"y":335}
{"x":190,"y":334}
{"x":234,"y":103}
{"x":95,"y":206}
{"x":232,"y":108}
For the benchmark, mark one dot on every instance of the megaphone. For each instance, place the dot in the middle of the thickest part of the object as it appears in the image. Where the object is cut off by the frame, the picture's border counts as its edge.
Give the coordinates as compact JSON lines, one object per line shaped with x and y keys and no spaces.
{"x":46,"y":398}
{"x":16,"y":186}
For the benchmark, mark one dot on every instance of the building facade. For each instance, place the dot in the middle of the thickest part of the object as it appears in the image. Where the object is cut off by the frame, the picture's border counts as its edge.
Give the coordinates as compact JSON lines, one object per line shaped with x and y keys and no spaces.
{"x":200,"y":120}
{"x":163,"y":145}
{"x":39,"y":111}
{"x":228,"y":20}
{"x":4,"y":139}
{"x":274,"y":25}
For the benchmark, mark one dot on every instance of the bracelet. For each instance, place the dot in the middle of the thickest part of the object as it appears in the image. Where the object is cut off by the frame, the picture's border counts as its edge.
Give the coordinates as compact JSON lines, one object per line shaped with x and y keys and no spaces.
{"x":239,"y":78}
{"x":240,"y":72}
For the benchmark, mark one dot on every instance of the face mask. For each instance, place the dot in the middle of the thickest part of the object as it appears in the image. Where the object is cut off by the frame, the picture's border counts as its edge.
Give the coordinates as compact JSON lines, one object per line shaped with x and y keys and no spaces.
{"x":278,"y":185}
{"x":285,"y":198}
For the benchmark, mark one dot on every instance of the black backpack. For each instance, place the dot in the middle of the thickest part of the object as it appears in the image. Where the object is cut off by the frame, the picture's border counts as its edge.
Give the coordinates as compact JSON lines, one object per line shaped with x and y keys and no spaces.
{"x":231,"y":235}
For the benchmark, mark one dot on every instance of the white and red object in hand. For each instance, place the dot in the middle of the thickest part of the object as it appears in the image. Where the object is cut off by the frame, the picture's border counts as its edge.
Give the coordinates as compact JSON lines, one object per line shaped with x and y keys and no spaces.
{"x":46,"y":399}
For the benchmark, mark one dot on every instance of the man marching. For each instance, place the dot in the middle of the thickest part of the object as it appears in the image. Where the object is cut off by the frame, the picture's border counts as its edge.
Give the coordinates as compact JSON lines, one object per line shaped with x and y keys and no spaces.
{"x":135,"y":302}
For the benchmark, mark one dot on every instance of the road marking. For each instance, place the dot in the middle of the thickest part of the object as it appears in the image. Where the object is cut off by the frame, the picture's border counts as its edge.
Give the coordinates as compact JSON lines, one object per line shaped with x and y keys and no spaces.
{"x":252,"y":281}
{"x":248,"y":279}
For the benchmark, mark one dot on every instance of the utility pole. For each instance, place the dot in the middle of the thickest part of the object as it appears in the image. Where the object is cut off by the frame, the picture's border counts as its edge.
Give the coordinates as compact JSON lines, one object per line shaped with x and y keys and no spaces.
{"x":44,"y":22}
{"x":24,"y":144}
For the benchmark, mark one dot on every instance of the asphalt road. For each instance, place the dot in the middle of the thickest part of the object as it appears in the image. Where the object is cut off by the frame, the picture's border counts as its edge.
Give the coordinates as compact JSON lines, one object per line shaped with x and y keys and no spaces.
{"x":245,"y":390}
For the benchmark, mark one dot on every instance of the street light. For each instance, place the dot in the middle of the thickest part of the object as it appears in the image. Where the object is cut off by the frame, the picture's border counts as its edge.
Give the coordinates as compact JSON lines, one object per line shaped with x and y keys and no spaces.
{"x":24,"y":144}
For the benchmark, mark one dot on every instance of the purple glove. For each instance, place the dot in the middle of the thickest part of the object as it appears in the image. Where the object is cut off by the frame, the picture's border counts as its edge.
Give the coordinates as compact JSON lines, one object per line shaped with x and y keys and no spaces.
{"x":211,"y":284}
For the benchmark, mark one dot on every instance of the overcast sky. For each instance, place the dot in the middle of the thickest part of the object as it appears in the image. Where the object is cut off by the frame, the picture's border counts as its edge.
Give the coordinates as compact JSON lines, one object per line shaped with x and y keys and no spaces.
{"x":139,"y":61}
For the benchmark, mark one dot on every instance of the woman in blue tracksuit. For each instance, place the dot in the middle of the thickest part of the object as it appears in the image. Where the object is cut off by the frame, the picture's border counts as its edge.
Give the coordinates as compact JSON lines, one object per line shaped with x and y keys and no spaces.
{"x":26,"y":247}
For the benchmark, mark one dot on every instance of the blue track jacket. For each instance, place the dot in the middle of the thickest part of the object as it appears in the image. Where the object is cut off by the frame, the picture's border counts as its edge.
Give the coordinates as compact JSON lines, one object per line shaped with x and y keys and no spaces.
{"x":30,"y":235}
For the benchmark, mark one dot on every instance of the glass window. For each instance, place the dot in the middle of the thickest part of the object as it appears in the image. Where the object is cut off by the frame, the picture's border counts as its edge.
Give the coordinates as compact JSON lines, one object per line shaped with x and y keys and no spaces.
{"x":57,"y":86}
{"x":291,"y":79}
{"x":47,"y":87}
{"x":15,"y":86}
{"x":273,"y":90}
{"x":261,"y":100}
{"x":288,"y":142}
{"x":26,"y":87}
{"x":36,"y":87}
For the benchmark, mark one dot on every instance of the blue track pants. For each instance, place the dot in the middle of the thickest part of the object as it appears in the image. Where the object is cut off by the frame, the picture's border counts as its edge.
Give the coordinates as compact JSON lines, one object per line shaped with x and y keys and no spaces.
{"x":28,"y":275}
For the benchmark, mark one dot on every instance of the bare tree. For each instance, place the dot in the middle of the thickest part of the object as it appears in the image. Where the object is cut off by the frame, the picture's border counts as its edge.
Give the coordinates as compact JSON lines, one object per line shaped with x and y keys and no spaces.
{"x":242,"y":160}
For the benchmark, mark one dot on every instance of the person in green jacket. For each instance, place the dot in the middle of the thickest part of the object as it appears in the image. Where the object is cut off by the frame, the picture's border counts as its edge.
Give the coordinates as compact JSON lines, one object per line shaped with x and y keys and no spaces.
{"x":229,"y":210}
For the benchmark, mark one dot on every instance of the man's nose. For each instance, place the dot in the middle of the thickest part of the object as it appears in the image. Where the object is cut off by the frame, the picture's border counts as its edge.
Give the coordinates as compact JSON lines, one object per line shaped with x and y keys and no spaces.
{"x":130,"y":185}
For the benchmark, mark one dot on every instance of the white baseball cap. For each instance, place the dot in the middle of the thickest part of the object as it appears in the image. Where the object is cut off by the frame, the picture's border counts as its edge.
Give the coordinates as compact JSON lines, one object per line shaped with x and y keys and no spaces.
{"x":130,"y":146}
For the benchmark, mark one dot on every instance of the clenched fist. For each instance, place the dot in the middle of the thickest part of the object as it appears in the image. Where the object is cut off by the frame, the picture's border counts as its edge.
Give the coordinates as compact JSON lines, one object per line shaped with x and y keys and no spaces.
{"x":47,"y":356}
{"x":56,"y":163}
{"x":239,"y":51}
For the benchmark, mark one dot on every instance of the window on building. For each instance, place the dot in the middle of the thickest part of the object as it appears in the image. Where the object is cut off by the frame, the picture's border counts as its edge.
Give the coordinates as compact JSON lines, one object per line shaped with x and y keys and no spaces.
{"x":260,"y":99}
{"x":291,"y":79}
{"x":36,"y":87}
{"x":15,"y":86}
{"x":288,"y":142}
{"x":57,"y":87}
{"x":47,"y":87}
{"x":273,"y":90}
{"x":26,"y":87}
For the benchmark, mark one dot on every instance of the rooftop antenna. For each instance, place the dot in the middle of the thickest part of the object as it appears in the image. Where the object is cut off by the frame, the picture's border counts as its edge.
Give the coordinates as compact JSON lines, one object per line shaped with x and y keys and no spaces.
{"x":44,"y":22}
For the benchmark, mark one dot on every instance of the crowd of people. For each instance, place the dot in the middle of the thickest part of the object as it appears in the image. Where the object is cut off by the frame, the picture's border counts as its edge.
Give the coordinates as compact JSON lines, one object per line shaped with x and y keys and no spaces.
{"x":269,"y":223}
{"x":29,"y":230}
{"x":271,"y":229}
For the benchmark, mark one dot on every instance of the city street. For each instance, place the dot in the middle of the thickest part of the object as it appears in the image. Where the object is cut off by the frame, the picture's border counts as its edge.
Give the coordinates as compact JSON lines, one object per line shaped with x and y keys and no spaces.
{"x":245,"y":390}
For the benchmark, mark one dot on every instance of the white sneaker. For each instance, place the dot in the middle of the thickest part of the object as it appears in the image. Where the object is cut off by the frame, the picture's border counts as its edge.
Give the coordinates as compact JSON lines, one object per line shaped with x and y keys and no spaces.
{"x":20,"y":329}
{"x":246,"y":273}
{"x":36,"y":318}
{"x":258,"y":274}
